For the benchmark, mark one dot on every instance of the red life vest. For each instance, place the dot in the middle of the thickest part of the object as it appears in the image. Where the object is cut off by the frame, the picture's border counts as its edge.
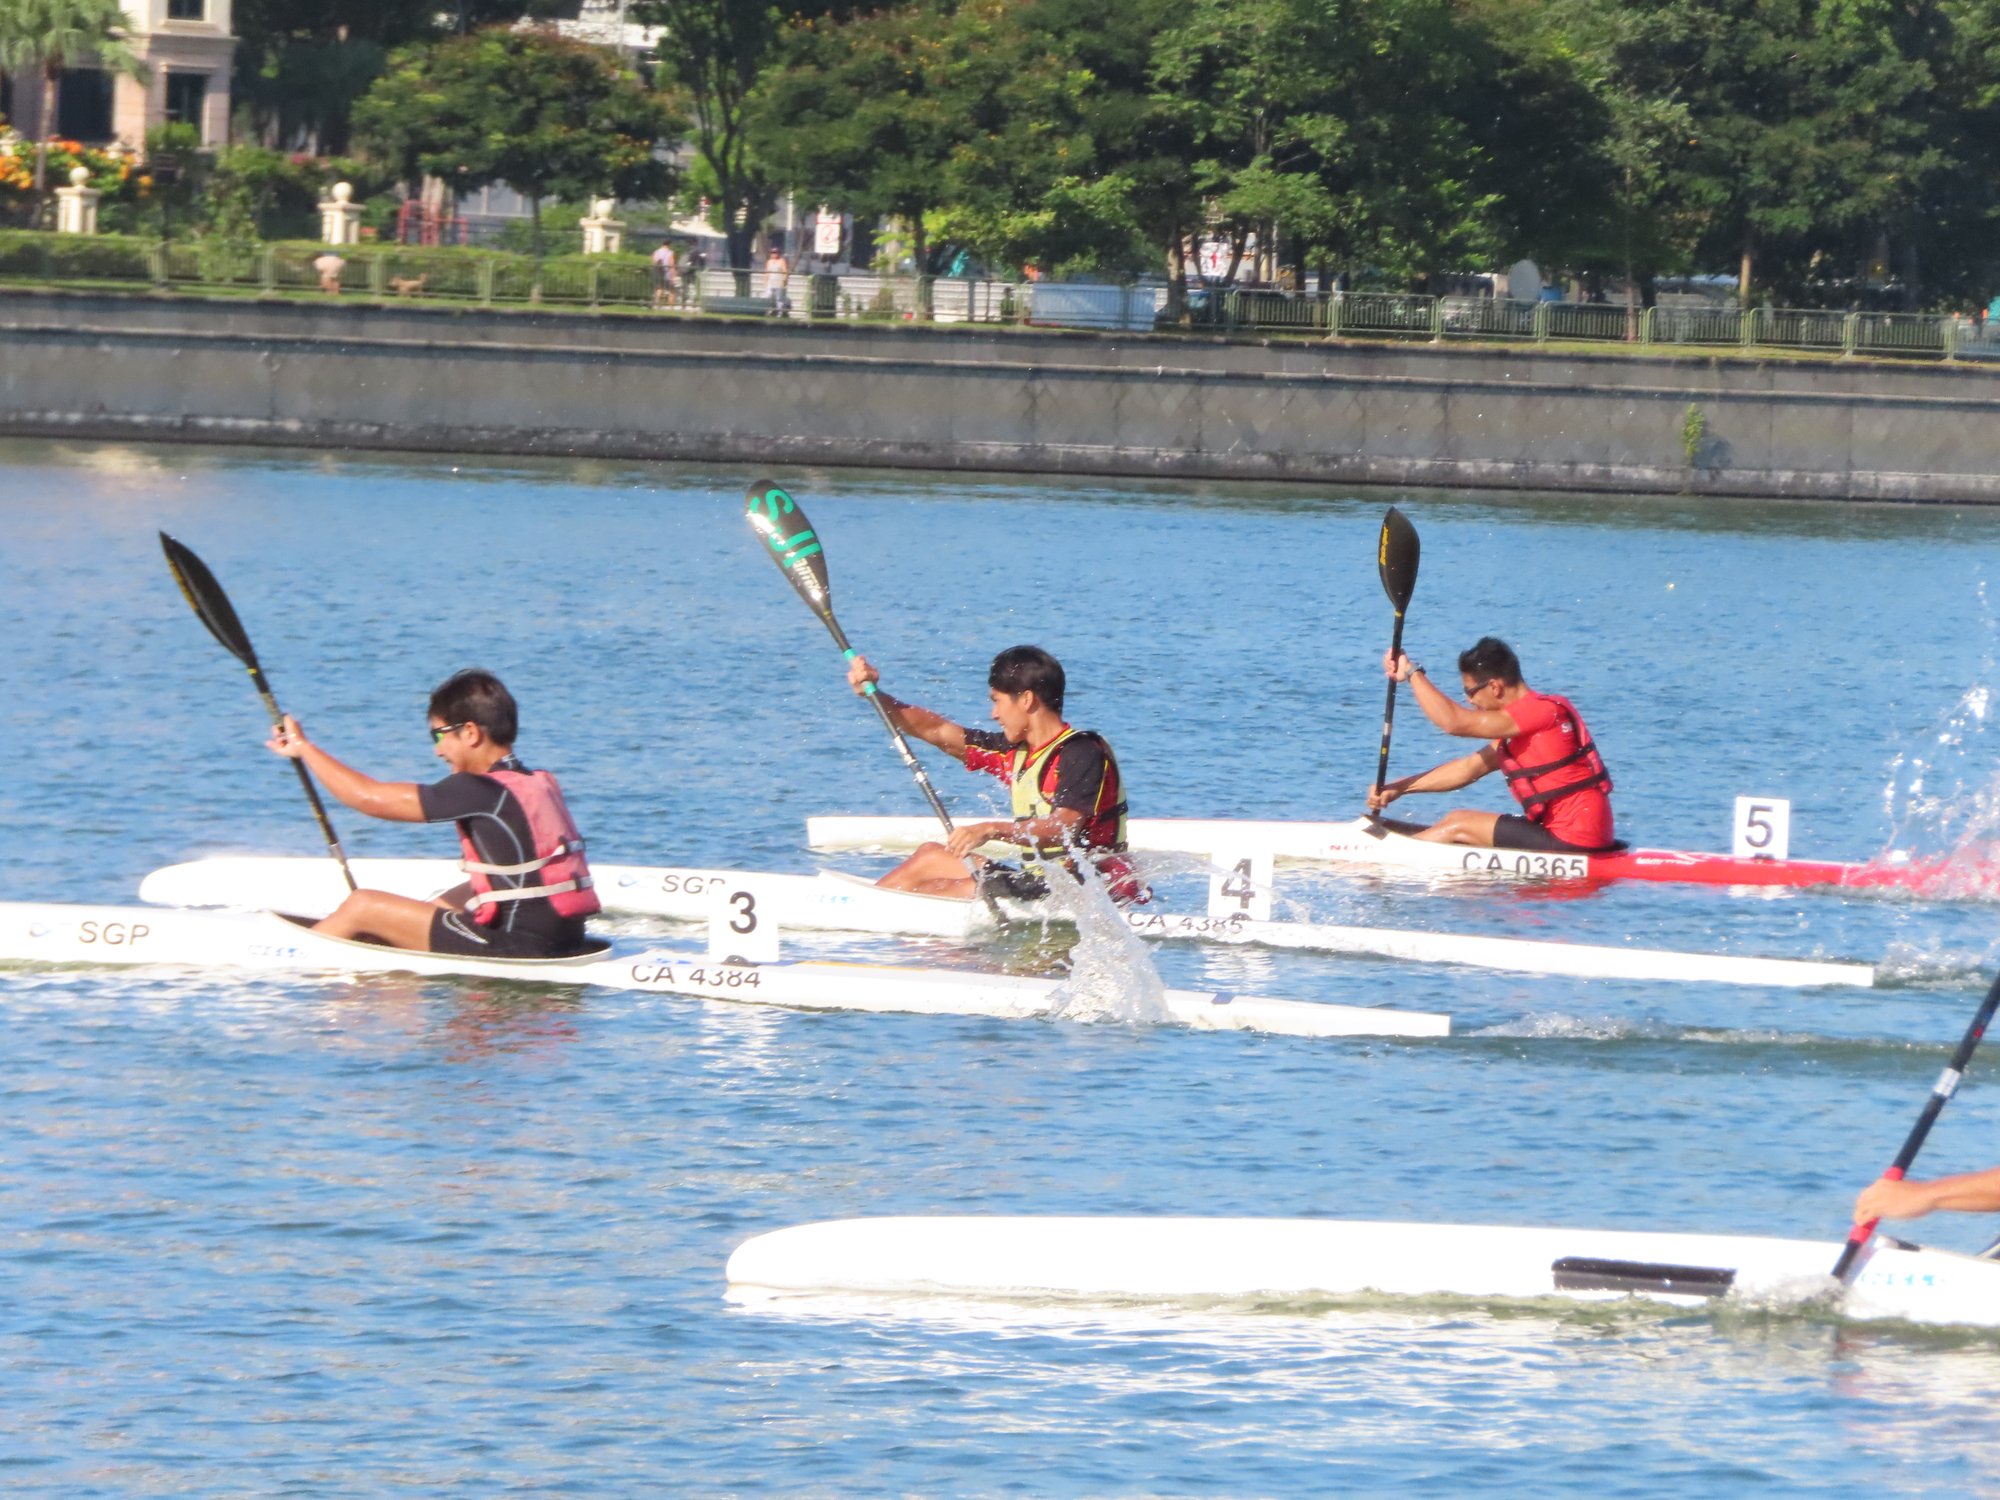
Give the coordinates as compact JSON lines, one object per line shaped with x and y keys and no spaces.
{"x":566,"y":881}
{"x":1538,"y":788}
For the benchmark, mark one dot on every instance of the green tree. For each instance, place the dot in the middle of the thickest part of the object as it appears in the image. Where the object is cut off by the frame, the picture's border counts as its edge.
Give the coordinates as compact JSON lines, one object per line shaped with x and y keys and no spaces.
{"x":1954,"y":232}
{"x":546,"y":116}
{"x":960,"y":120}
{"x":1807,"y":127}
{"x":1334,"y":125}
{"x":710,"y":59}
{"x":301,"y":65}
{"x":47,"y":36}
{"x":856,"y":113}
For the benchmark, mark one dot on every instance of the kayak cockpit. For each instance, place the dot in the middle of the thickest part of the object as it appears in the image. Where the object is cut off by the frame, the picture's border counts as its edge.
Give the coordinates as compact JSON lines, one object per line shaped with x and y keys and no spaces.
{"x":596,"y":948}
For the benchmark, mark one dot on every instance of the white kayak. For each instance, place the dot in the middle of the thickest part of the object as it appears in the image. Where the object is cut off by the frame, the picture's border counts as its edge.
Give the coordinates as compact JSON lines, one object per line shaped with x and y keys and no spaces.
{"x":825,"y":902}
{"x":1364,"y":843}
{"x":845,"y":903}
{"x":1290,"y":1260}
{"x":268,"y":942}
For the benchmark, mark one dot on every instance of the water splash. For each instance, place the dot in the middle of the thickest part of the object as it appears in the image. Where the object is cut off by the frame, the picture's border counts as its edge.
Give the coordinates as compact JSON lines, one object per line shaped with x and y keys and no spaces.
{"x":1111,"y":975}
{"x":1932,"y":965}
{"x":1942,"y":796}
{"x":1561,"y":1026}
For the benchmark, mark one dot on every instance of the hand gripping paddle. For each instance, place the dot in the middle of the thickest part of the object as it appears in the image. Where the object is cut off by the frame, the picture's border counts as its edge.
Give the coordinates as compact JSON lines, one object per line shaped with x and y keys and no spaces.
{"x":212,"y":608}
{"x":1396,"y":560}
{"x":794,"y":546}
{"x":1942,"y":1090}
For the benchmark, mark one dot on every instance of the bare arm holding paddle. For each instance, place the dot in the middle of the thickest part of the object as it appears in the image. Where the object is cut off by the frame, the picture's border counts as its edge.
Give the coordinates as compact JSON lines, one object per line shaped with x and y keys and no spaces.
{"x":1967,"y":1193}
{"x":932,"y":729}
{"x":1471,"y":723}
{"x":1448,"y":777}
{"x":935,"y":729}
{"x":395,"y":801}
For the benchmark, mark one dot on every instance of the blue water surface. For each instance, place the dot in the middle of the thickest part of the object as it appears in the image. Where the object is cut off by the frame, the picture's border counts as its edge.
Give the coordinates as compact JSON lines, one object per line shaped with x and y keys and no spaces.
{"x":353,"y":1238}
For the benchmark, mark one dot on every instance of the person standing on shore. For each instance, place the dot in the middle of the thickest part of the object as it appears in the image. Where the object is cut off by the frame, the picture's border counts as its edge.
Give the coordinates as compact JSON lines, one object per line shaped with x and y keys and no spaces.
{"x":1537,"y":739}
{"x":777,"y":280}
{"x":664,"y":278}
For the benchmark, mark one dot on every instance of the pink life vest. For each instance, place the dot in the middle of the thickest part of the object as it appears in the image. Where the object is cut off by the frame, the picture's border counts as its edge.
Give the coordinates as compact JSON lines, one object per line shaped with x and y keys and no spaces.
{"x":566,"y":881}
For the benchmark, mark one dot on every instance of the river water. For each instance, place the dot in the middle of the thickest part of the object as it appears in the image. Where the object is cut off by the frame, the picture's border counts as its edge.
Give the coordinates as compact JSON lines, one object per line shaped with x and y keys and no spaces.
{"x":265,"y":1236}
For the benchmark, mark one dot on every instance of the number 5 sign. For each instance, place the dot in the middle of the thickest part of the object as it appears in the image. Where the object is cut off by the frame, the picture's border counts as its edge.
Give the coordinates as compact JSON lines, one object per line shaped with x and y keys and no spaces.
{"x":1763,"y":828}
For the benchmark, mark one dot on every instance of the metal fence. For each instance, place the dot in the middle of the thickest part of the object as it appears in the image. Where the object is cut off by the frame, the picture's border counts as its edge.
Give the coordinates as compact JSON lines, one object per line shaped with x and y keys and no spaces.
{"x":626,"y":282}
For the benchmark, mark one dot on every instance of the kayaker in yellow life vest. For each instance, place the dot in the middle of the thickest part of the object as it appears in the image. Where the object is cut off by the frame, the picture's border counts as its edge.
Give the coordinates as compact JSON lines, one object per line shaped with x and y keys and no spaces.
{"x":1067,"y":793}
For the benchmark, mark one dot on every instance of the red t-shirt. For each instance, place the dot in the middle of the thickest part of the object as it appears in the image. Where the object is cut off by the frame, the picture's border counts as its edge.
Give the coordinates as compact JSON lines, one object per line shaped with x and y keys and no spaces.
{"x":1548,"y":734}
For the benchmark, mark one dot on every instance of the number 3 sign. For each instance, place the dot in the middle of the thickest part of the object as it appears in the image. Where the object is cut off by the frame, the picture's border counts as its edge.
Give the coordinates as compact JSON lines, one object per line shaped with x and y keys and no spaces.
{"x":1763,"y":828}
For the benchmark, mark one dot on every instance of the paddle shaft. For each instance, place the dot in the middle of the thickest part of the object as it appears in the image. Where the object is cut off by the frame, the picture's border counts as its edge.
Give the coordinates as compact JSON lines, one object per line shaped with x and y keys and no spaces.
{"x":305,"y":779}
{"x":1389,"y":711}
{"x":1945,"y":1087}
{"x":211,"y":606}
{"x":889,"y":723}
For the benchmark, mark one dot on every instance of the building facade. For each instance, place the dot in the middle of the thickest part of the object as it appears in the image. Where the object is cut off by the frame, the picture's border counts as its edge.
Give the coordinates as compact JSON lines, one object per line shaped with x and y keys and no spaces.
{"x":186,"y":46}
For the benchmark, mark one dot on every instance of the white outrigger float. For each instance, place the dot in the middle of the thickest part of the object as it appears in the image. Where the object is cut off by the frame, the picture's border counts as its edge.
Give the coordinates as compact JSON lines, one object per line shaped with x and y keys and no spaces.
{"x":1278,"y":1261}
{"x":837,"y":902}
{"x":1869,"y":1277}
{"x":266,"y":942}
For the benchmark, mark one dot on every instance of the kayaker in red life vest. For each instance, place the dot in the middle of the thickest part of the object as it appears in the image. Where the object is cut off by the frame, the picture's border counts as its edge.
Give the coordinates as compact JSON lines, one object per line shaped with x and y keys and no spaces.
{"x":1067,"y":791}
{"x":529,"y":888}
{"x":1537,"y":739}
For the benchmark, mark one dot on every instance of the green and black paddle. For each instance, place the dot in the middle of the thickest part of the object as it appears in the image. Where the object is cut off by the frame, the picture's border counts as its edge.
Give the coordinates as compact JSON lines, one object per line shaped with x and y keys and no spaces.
{"x":1396,"y":560}
{"x":794,"y":546}
{"x":1941,"y":1091}
{"x":211,"y":606}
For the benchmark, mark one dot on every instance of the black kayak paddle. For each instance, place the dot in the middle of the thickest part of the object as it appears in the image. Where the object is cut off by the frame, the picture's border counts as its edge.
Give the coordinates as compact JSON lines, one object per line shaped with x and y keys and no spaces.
{"x":1396,"y":560}
{"x":1941,"y":1091}
{"x":211,"y":606}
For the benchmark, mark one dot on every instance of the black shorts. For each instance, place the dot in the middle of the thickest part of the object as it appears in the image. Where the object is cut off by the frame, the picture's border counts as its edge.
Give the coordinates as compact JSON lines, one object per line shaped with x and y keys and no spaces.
{"x":994,"y":879}
{"x":455,"y":932}
{"x":1516,"y":832}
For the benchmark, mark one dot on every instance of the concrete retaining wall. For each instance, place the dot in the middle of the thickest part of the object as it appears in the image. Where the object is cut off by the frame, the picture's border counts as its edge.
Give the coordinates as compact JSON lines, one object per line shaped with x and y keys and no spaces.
{"x":967,"y":398}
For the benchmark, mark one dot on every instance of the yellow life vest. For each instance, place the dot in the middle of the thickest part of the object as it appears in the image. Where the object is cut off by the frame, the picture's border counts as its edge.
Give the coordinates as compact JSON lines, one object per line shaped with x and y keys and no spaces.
{"x":1102,"y":828}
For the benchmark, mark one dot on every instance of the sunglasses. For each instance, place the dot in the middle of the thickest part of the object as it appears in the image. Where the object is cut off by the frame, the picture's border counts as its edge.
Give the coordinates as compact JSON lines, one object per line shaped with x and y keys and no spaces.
{"x":440,"y":731}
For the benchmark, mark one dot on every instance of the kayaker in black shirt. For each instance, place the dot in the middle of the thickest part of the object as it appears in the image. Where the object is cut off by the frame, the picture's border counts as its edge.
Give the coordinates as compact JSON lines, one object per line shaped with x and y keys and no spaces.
{"x":529,"y":889}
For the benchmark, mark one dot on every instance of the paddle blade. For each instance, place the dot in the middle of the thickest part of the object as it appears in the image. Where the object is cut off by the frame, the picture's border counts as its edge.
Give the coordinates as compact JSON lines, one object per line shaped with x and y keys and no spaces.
{"x":1396,"y":558}
{"x":776,"y":517}
{"x":204,"y":595}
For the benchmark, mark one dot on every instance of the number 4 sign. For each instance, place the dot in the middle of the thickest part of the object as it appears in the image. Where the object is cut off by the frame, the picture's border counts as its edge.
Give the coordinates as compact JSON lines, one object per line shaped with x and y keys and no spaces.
{"x":1763,"y":828}
{"x":1241,"y":887}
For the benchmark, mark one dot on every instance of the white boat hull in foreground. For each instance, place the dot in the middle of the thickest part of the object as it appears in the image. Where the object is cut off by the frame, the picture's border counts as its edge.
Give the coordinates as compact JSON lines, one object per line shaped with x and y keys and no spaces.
{"x":845,"y":903}
{"x":265,"y":942}
{"x":1289,"y":1260}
